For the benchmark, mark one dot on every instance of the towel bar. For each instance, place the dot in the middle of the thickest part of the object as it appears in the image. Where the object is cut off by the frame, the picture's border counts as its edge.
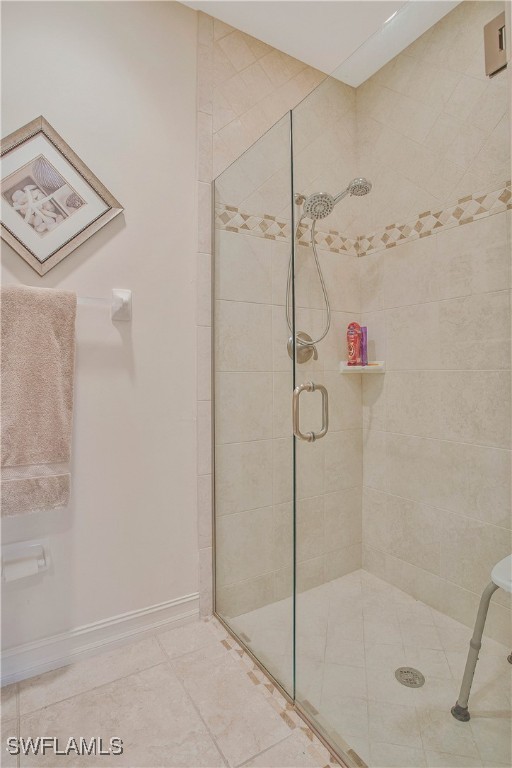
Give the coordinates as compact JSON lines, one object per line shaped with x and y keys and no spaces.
{"x":120,"y":303}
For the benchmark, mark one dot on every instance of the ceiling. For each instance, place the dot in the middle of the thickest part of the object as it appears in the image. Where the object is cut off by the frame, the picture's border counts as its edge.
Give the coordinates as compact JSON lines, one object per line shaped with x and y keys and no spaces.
{"x":326,"y":33}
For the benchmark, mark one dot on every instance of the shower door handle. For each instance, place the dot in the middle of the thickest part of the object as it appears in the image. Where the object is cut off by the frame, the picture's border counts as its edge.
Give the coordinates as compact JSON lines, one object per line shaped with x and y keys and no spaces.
{"x":310,"y":386}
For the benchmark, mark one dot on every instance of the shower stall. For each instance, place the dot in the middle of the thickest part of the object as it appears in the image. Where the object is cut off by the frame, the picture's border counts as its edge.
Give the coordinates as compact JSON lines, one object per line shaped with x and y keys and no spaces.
{"x":359,"y":510}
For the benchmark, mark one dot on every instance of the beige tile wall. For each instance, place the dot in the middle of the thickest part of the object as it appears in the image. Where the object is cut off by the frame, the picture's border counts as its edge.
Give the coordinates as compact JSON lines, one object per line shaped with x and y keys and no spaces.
{"x":437,"y":498}
{"x":436,"y":501}
{"x":432,"y":128}
{"x":245,"y":86}
{"x":436,"y":508}
{"x":325,"y":150}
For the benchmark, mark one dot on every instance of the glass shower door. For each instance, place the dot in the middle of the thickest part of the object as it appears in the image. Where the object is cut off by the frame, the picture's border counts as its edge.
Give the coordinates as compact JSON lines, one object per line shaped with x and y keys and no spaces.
{"x":253,"y":381}
{"x":328,"y":629}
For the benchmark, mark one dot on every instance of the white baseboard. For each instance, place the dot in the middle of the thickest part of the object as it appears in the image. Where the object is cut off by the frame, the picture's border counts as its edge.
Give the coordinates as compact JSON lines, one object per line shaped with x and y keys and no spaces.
{"x":50,"y":653}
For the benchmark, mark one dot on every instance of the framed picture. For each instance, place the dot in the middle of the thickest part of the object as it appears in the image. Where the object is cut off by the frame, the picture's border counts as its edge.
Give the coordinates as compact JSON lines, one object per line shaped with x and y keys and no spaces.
{"x":50,"y":201}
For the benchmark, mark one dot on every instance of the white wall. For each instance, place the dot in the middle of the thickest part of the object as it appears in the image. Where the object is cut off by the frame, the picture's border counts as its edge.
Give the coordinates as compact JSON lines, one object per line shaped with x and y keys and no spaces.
{"x":118,"y":81}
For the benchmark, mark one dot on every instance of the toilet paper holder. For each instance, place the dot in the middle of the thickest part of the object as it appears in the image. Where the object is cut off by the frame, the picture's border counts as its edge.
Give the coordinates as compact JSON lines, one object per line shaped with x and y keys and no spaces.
{"x":24,"y":558}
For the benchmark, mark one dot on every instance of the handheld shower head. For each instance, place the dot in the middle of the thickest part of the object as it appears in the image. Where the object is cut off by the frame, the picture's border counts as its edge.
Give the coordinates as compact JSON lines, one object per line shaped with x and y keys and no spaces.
{"x":358,"y":187}
{"x":321,"y":204}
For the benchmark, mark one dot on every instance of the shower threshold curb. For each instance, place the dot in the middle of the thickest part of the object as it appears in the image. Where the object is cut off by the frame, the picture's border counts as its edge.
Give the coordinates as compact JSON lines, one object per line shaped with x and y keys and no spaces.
{"x":349,"y":760}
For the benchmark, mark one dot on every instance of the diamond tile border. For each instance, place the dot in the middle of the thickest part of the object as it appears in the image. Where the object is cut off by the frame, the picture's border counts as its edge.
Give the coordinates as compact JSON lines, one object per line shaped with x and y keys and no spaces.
{"x":272,"y":228}
{"x":276,"y":700}
{"x":464,"y":211}
{"x":329,"y":240}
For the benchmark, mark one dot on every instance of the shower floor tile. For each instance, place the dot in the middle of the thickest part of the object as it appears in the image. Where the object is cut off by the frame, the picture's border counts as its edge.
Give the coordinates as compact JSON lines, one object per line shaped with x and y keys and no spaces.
{"x":351,"y":635}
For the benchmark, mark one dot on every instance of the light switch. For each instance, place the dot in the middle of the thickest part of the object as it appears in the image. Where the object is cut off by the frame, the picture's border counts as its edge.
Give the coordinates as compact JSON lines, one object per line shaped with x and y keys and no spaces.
{"x":495,"y":45}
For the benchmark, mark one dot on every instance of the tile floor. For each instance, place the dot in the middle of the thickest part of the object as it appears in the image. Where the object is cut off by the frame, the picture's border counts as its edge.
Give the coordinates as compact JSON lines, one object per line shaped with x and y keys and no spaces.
{"x":352,"y":634}
{"x":190,"y":697}
{"x":186,"y":697}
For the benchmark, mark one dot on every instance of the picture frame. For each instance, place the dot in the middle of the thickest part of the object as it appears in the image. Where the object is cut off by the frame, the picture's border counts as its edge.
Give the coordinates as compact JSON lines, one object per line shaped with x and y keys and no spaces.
{"x":51,"y":202}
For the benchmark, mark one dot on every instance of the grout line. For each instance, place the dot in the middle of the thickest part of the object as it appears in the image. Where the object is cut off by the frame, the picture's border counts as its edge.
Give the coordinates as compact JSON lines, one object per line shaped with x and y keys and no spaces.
{"x":286,"y":437}
{"x":441,"y":509}
{"x":431,"y":748}
{"x":437,"y":439}
{"x":446,"y":299}
{"x":440,"y":439}
{"x":309,"y":307}
{"x":457,"y":297}
{"x":264,"y":752}
{"x":365,"y":661}
{"x":451,"y":370}
{"x":441,"y":578}
{"x":87,"y":690}
{"x":189,"y":697}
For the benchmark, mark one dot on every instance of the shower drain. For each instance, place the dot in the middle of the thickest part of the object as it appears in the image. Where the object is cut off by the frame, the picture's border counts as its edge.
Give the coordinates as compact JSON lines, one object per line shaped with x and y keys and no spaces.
{"x":410,"y":677}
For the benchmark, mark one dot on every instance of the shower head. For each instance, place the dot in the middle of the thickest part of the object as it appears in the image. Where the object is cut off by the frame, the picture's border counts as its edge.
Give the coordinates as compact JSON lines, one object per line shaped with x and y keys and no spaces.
{"x":321,"y":204}
{"x":359,"y":187}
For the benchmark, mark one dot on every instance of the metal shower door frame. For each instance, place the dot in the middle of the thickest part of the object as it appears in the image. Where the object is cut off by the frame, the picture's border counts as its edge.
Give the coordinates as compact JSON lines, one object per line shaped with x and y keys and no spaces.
{"x":290,"y":697}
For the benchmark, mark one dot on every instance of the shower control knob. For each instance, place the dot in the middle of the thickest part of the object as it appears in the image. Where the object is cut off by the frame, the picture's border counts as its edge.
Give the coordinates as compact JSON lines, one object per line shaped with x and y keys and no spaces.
{"x":304,"y":350}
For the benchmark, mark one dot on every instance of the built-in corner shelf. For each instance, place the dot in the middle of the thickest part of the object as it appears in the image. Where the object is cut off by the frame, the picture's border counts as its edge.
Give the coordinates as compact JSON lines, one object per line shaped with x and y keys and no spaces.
{"x":375,"y":366}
